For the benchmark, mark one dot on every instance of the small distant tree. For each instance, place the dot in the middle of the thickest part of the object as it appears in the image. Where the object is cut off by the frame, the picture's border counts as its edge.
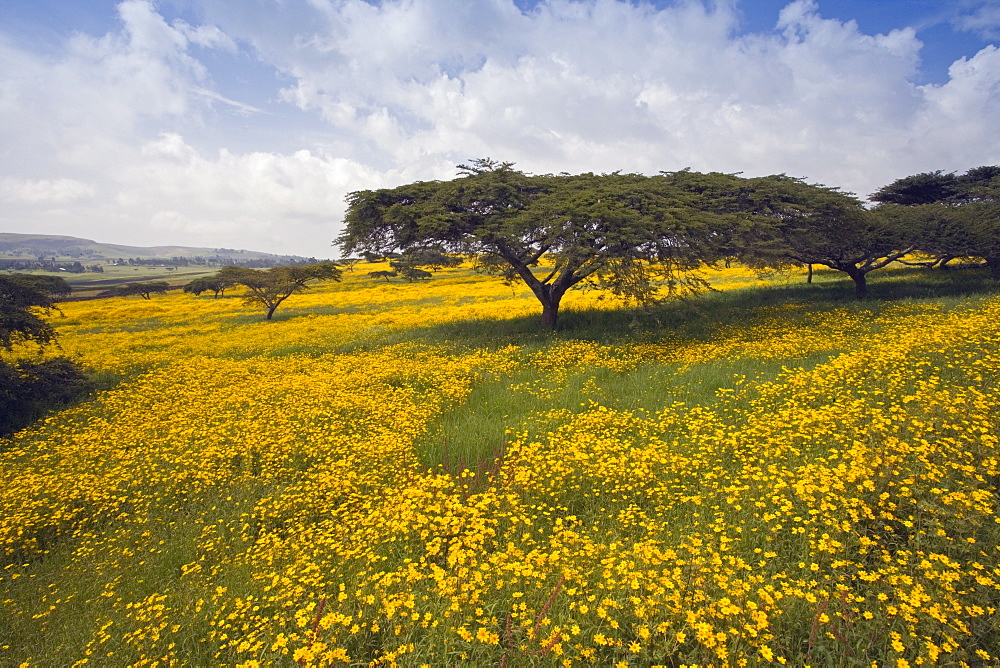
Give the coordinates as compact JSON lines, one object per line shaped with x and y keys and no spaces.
{"x":144,"y":290}
{"x":409,"y":263}
{"x":382,"y":274}
{"x":433,"y":258}
{"x":412,"y":274}
{"x":268,"y":288}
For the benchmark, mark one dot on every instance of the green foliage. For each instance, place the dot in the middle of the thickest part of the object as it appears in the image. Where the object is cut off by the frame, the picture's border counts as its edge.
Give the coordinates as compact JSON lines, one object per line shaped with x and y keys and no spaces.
{"x":270,"y":287}
{"x":28,"y":389}
{"x":409,"y":263}
{"x":412,"y":274}
{"x":918,"y":189}
{"x":432,"y":258}
{"x":812,"y":224}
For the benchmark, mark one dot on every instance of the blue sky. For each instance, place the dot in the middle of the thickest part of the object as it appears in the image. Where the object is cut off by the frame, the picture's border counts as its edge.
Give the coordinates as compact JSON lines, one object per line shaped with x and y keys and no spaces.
{"x":244,"y":124}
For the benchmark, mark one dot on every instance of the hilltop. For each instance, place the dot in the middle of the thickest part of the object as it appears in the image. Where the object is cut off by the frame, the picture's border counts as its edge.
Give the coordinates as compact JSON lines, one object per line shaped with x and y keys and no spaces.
{"x":31,"y":246}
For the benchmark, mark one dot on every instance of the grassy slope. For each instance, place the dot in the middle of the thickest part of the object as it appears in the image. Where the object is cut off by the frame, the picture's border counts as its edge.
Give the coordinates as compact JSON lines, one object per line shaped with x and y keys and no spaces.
{"x":616,"y":479}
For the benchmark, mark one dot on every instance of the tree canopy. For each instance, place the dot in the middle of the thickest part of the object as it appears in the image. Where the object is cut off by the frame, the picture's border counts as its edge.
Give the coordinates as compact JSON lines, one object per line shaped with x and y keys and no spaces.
{"x":268,"y":288}
{"x":628,"y":233}
{"x":643,"y":236}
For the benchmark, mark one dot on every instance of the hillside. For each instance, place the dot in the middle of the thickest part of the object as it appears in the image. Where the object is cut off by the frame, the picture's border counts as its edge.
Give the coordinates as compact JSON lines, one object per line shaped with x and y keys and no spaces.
{"x":31,"y":246}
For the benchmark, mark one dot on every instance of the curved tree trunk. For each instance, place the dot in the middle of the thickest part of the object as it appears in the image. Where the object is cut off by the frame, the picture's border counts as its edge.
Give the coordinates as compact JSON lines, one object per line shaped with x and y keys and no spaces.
{"x":549,"y":296}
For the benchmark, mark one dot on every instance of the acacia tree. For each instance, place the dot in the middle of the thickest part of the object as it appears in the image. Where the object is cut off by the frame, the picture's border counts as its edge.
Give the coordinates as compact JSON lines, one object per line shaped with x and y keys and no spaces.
{"x":807,"y":224}
{"x":949,"y":215}
{"x":268,"y":288}
{"x":628,"y":233}
{"x":779,"y":220}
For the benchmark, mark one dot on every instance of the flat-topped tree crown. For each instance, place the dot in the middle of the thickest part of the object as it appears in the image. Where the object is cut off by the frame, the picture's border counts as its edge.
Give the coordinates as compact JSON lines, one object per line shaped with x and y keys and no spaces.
{"x":631,"y":234}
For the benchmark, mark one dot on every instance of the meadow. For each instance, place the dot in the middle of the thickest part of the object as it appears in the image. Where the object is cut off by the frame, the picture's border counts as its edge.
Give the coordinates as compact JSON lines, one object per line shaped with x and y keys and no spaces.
{"x":416,"y":474}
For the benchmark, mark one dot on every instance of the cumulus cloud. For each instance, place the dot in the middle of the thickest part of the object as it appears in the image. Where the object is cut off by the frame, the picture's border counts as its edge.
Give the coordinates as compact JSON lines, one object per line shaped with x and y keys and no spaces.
{"x":614,"y":85}
{"x":401,"y":90}
{"x":260,"y":198}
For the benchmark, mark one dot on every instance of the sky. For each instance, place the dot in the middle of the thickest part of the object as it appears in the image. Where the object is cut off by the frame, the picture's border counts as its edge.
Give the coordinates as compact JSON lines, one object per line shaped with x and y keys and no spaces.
{"x":245,"y":123}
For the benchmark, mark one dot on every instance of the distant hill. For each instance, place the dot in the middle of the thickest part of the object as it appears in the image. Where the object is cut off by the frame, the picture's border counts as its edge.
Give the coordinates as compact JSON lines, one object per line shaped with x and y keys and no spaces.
{"x":33,"y":246}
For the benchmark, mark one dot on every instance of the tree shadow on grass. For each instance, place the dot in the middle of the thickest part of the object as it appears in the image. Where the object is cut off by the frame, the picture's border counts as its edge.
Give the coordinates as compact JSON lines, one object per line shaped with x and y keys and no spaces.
{"x":699,"y":318}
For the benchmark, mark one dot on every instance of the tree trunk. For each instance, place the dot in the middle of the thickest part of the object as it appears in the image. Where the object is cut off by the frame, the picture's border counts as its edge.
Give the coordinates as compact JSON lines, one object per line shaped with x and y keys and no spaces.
{"x":550,"y":313}
{"x":271,"y":310}
{"x":809,"y":276}
{"x":860,"y":283}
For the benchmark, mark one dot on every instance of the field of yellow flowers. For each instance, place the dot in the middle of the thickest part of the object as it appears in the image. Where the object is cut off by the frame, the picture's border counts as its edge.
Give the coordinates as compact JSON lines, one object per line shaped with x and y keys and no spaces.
{"x":392,"y":474}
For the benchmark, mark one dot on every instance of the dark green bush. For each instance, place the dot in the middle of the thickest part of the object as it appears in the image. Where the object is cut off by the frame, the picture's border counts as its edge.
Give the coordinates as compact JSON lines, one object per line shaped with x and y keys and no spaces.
{"x":29,"y":389}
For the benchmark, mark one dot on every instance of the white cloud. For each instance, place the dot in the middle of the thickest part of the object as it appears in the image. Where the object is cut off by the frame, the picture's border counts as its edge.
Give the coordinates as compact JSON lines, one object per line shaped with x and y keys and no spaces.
{"x":404,"y":89}
{"x":983,"y":20}
{"x":612,"y":85}
{"x":258,"y":200}
{"x":964,"y":111}
{"x":44,"y":191}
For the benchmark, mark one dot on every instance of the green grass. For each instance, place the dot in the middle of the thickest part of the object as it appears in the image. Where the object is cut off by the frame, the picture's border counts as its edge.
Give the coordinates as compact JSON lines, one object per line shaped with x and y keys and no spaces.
{"x":475,"y":434}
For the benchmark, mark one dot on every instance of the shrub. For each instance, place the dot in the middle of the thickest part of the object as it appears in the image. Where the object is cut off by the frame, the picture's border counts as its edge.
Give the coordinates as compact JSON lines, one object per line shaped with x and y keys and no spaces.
{"x":30,"y":389}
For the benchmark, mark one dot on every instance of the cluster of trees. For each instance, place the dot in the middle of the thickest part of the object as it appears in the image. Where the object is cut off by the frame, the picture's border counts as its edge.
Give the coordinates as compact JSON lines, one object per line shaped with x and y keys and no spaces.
{"x":214,"y":261}
{"x":264,"y":288}
{"x":29,"y":388}
{"x":641,"y":236}
{"x":50,"y":265}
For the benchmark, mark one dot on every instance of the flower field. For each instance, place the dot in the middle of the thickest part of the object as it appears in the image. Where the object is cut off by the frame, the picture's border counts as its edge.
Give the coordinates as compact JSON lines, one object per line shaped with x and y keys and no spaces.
{"x":394,"y":474}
